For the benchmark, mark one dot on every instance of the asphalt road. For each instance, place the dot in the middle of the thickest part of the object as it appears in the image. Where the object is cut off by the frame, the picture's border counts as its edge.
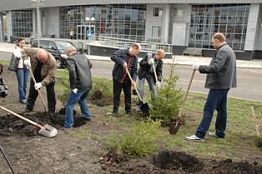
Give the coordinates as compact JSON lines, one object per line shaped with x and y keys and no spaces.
{"x":249,"y":81}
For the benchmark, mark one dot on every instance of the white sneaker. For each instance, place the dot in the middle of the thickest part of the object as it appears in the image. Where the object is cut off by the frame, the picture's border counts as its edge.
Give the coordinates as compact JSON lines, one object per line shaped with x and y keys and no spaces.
{"x":194,"y":138}
{"x":213,"y":134}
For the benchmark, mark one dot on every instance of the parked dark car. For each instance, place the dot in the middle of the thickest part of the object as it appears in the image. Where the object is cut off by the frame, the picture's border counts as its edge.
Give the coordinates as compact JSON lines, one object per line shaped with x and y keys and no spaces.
{"x":55,"y":47}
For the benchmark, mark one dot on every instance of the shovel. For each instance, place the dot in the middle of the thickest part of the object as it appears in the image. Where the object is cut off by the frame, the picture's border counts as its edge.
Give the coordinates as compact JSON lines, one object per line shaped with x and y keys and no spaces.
{"x":7,"y":161}
{"x":46,"y":130}
{"x":174,"y":126}
{"x":154,"y":69}
{"x":144,"y":106}
{"x":38,"y":90}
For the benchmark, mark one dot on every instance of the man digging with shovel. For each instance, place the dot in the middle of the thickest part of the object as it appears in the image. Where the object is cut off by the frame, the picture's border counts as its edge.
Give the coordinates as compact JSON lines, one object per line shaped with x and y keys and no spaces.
{"x":125,"y":60}
{"x":42,"y":65}
{"x":150,"y":69}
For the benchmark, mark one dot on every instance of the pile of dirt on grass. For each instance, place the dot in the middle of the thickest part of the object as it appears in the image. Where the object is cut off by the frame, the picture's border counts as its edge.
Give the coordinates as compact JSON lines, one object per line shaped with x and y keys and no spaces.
{"x":259,"y":143}
{"x":12,"y":125}
{"x":171,"y":162}
{"x":99,"y":99}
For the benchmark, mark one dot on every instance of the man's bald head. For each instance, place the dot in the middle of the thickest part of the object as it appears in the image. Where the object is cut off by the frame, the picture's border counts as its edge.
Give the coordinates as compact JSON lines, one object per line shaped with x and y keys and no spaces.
{"x":42,"y":55}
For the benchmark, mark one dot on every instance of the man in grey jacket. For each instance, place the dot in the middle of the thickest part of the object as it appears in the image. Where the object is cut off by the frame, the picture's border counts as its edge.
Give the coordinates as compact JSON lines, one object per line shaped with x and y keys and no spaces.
{"x":80,"y":83}
{"x":221,"y":76}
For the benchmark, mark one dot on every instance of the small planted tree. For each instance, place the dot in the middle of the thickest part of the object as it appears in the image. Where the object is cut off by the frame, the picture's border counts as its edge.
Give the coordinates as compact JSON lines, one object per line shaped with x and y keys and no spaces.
{"x":167,"y":103}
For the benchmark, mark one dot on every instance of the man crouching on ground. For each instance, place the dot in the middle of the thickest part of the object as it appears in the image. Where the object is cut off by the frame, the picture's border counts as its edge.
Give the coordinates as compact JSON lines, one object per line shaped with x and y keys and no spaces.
{"x":80,"y":83}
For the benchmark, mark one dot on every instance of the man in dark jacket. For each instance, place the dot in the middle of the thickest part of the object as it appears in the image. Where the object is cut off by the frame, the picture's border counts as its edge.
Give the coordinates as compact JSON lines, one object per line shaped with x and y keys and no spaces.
{"x":125,"y":59}
{"x":221,"y":76}
{"x":80,"y":83}
{"x":146,"y":72}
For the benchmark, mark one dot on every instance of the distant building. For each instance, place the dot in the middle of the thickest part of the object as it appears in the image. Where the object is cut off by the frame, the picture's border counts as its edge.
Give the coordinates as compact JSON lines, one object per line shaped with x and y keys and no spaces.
{"x":180,"y":23}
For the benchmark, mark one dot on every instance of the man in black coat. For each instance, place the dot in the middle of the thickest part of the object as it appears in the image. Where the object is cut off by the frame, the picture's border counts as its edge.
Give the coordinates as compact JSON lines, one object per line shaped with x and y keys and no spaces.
{"x":146,"y":72}
{"x":125,"y":59}
{"x":80,"y":83}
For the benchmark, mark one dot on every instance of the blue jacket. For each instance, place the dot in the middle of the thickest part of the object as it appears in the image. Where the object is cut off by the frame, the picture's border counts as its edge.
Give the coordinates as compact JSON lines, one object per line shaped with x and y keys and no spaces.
{"x":120,"y":57}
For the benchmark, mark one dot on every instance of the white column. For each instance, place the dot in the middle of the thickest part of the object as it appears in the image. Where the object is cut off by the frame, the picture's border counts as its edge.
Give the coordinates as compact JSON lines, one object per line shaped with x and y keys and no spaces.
{"x":1,"y":28}
{"x":253,"y":27}
{"x":165,"y":24}
{"x":9,"y":25}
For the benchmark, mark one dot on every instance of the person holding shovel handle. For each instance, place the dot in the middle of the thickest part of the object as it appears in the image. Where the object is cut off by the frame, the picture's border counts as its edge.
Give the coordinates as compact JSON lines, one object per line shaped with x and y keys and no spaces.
{"x":43,"y":66}
{"x":79,"y":68}
{"x":125,"y":59}
{"x":221,"y":76}
{"x":150,"y":69}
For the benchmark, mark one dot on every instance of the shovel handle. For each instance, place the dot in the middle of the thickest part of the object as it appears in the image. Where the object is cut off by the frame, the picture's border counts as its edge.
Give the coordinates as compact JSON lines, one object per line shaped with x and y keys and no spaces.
{"x":187,"y":91}
{"x":38,"y":90}
{"x":23,"y":118}
{"x":154,"y":69}
{"x":132,"y":81}
{"x":6,"y":159}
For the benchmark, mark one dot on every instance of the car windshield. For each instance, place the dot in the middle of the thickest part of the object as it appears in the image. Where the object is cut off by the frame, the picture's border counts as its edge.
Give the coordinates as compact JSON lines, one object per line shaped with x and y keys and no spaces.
{"x":62,"y":45}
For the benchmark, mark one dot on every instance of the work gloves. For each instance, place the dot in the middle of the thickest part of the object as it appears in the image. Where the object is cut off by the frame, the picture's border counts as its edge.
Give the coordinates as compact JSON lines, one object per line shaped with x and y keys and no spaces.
{"x":27,"y":63}
{"x":38,"y":86}
{"x":151,"y":61}
{"x":75,"y":90}
{"x":158,"y":84}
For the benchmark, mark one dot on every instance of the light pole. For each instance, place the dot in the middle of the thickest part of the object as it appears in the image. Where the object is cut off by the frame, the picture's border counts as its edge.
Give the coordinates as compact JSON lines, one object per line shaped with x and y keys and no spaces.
{"x":37,"y":4}
{"x":89,"y":34}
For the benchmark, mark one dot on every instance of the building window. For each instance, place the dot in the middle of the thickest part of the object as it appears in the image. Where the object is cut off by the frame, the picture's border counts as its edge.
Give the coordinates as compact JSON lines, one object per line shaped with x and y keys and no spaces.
{"x":157,"y":11}
{"x":122,"y":21}
{"x":22,"y":23}
{"x":230,"y":19}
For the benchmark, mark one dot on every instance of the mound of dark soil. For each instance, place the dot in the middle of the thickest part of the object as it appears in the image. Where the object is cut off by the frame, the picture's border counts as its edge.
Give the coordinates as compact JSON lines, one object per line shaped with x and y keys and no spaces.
{"x":11,"y":125}
{"x":259,"y":143}
{"x":172,"y":160}
{"x":99,"y":99}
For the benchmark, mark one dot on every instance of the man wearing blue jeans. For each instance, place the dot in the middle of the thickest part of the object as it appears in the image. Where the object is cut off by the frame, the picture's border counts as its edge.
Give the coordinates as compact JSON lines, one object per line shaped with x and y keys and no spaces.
{"x":80,"y":82}
{"x":221,"y":76}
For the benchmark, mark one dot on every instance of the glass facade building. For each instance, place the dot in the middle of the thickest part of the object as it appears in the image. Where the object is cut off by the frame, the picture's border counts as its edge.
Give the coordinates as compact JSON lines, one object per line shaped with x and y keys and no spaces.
{"x":120,"y":21}
{"x":226,"y":18}
{"x":22,"y":23}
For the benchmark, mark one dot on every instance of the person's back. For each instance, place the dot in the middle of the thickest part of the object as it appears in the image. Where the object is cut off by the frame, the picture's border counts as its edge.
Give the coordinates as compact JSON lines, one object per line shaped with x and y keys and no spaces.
{"x":83,"y":66}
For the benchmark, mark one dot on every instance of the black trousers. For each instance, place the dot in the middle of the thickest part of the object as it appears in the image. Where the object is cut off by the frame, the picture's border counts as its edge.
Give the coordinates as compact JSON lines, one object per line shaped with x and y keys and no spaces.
{"x":51,"y":97}
{"x":117,"y":89}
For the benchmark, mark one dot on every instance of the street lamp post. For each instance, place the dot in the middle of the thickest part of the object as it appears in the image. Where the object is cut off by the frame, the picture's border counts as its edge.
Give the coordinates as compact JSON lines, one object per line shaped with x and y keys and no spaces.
{"x":89,"y":34}
{"x":37,"y":4}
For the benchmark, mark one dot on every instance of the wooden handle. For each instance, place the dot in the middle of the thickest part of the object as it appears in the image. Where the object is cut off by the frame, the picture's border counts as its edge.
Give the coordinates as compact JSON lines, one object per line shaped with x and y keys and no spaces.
{"x":155,"y":72}
{"x":132,"y":81}
{"x":255,"y":120}
{"x":187,"y":91}
{"x":23,"y":118}
{"x":42,"y":99}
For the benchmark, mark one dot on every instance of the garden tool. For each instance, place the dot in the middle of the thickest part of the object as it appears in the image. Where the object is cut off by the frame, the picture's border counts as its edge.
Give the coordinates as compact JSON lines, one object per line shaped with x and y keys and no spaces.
{"x":7,"y":161}
{"x":174,"y":126}
{"x":154,"y":69}
{"x":46,"y":130}
{"x":144,"y":106}
{"x":42,"y":99}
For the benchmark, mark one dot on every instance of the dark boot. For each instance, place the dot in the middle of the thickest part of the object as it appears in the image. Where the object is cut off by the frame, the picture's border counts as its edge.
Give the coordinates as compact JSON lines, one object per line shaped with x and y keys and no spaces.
{"x":52,"y":117}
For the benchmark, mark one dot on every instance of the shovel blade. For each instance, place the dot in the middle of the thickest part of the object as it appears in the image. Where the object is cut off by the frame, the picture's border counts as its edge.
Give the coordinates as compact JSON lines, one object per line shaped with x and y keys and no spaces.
{"x":48,"y":131}
{"x":145,"y":108}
